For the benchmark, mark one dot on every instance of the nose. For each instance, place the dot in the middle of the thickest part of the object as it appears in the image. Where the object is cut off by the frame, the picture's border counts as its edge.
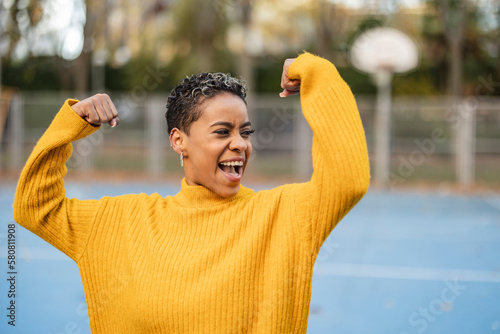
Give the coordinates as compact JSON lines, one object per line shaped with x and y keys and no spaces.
{"x":238,"y":144}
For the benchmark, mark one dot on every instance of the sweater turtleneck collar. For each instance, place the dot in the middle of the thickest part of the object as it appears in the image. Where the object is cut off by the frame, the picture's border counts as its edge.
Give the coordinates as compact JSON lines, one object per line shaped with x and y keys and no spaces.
{"x":199,"y":196}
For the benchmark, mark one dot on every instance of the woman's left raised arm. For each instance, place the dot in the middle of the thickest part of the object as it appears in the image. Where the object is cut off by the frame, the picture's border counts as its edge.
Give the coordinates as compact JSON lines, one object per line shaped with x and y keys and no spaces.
{"x":340,"y":160}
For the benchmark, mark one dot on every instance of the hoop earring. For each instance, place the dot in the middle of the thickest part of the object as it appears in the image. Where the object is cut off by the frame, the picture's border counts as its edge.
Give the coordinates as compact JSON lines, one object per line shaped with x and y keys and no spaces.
{"x":182,"y":159}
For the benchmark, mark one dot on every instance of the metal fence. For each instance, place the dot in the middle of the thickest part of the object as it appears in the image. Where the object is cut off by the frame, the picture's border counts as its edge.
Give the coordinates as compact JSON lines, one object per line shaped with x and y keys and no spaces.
{"x":428,"y":139}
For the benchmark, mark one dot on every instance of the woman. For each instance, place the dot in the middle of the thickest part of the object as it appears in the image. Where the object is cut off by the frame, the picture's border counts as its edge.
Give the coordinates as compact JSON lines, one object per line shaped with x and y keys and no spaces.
{"x":217,"y":257}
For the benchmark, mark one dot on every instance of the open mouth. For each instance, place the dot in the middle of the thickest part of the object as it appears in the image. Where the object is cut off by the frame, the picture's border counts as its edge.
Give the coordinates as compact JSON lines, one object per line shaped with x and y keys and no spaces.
{"x":232,"y":170}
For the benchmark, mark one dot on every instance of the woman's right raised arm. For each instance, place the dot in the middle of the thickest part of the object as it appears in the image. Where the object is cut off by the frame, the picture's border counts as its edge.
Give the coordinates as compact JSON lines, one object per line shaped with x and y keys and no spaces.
{"x":40,"y":203}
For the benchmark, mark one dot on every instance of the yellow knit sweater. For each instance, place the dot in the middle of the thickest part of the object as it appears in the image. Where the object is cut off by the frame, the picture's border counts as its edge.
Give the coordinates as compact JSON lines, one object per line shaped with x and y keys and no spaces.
{"x":196,"y":262}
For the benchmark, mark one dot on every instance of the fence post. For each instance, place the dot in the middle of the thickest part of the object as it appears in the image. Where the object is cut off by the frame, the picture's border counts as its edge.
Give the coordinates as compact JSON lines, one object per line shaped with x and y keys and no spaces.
{"x":155,"y":136}
{"x":303,"y":143}
{"x":382,"y":129}
{"x":466,"y":144}
{"x":16,"y":133}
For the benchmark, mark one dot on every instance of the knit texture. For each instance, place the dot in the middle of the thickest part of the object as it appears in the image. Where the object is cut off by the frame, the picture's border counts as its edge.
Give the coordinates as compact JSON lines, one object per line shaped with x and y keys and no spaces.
{"x":196,"y":262}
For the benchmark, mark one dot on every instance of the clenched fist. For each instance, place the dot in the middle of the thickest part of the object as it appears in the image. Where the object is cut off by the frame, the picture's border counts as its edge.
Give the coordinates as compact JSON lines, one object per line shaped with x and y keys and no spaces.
{"x":290,"y":87}
{"x":97,"y":109}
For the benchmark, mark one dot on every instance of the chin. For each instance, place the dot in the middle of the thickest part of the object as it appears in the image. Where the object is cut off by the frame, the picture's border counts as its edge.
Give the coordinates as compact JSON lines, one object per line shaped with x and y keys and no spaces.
{"x":228,"y":191}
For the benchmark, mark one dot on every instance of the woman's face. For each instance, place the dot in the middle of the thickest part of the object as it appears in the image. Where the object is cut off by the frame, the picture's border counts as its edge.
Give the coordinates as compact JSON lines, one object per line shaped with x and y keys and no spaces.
{"x":218,"y":147}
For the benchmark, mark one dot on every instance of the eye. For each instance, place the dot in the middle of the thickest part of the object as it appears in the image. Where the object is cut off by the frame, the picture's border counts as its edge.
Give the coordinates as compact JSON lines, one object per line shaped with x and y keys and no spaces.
{"x":222,"y":132}
{"x":247,"y":132}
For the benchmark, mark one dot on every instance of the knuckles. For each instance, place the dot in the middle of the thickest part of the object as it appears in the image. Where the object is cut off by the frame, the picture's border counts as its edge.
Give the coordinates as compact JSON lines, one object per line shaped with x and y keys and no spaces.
{"x":88,"y":108}
{"x":93,"y":118}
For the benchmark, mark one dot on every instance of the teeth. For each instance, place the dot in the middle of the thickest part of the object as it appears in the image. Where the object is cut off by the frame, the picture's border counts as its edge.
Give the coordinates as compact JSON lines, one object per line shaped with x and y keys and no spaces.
{"x":232,"y":163}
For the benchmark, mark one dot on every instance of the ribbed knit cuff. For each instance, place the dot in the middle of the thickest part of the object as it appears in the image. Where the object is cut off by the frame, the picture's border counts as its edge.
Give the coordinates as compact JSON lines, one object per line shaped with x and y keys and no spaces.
{"x":305,"y":68}
{"x":68,"y":126}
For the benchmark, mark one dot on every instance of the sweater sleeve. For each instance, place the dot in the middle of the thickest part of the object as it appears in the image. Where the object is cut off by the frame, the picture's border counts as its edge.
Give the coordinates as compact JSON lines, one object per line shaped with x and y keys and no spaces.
{"x":40,"y":204}
{"x":341,"y":173}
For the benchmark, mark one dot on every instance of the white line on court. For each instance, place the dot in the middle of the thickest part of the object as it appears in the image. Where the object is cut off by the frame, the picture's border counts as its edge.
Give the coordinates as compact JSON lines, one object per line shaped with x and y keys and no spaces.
{"x":410,"y":273}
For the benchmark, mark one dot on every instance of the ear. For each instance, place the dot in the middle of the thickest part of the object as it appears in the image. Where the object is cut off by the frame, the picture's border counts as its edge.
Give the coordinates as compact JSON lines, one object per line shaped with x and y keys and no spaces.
{"x":177,"y":140}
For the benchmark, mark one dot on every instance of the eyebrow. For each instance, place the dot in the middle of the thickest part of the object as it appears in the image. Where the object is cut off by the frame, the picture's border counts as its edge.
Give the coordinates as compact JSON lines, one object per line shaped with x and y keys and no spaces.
{"x":230,"y":125}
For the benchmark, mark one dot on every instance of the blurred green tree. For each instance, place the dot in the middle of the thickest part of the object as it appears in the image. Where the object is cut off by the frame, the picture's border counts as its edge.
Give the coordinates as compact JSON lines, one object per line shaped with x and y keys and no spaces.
{"x":460,"y":46}
{"x":198,"y":31}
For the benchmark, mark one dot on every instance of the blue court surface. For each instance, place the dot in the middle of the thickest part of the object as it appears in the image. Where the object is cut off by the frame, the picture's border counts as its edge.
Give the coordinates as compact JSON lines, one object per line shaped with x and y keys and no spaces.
{"x":399,"y":263}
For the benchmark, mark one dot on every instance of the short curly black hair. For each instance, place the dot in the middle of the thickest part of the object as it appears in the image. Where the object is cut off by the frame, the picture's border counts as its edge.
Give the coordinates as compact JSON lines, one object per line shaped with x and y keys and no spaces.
{"x":183,"y":104}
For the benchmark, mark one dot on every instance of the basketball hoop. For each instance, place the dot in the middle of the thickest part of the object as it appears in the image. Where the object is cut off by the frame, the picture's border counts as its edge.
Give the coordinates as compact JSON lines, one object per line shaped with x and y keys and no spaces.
{"x":385,"y":49}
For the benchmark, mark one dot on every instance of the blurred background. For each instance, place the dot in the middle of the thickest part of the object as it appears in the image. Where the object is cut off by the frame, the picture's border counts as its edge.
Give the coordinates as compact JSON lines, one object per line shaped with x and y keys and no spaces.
{"x":137,"y":51}
{"x":418,"y":254}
